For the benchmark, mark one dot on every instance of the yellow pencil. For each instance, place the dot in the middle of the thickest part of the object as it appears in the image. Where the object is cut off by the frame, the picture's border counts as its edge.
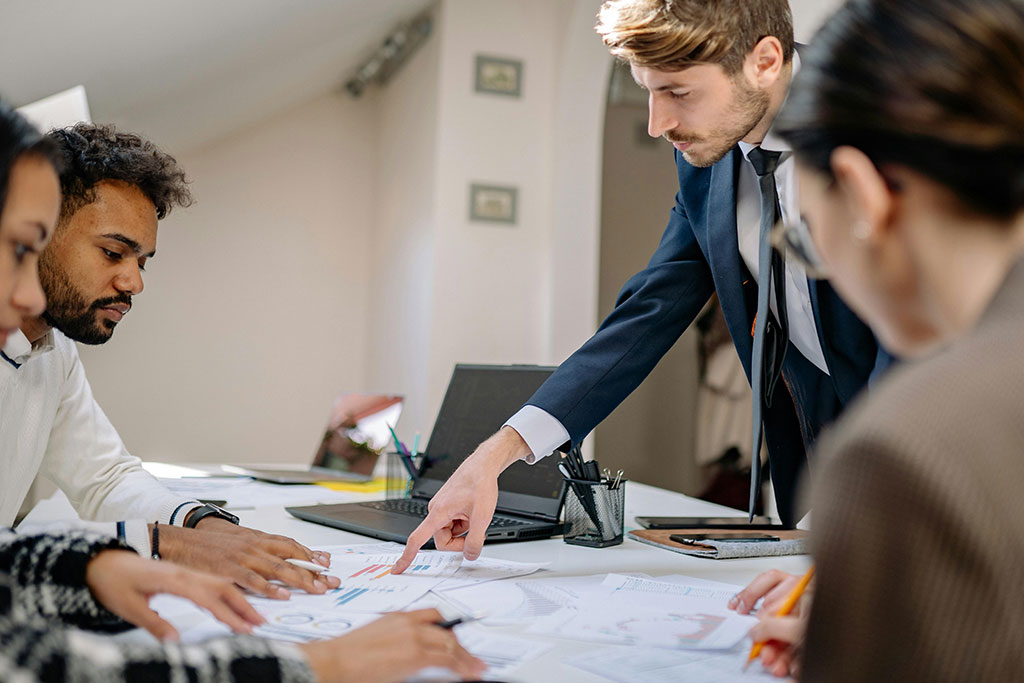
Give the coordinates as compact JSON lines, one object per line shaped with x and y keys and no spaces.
{"x":787,"y":607}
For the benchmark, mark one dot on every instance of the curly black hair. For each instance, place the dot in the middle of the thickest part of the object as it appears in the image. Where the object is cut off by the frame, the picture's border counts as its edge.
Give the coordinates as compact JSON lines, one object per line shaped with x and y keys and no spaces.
{"x":95,"y":152}
{"x":19,"y":138}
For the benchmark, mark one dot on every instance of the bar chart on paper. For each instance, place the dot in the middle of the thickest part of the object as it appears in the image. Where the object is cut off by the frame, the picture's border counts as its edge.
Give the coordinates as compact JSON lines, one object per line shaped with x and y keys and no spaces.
{"x":368,"y":585}
{"x":378,"y":571}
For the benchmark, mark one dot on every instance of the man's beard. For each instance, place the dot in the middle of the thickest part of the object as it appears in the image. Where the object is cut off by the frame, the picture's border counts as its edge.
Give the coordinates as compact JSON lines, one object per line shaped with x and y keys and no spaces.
{"x":748,"y":108}
{"x":67,"y":310}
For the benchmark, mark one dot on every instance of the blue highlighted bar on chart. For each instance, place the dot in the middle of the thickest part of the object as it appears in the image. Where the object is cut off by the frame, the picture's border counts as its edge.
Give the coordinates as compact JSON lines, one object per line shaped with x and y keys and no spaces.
{"x":350,"y":596}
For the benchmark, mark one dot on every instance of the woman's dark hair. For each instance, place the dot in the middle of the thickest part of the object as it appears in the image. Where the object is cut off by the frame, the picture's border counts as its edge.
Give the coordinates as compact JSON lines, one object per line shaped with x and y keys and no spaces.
{"x":19,"y":138}
{"x":933,"y":85}
{"x":93,"y":153}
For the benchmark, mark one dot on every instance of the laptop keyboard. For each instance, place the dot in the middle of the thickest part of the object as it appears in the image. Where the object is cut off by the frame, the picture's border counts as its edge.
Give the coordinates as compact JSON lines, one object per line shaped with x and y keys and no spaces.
{"x":418,"y":508}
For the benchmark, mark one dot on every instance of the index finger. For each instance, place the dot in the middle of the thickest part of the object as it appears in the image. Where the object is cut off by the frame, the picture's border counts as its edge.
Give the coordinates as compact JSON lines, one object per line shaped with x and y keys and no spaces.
{"x":743,"y":601}
{"x":423,"y":533}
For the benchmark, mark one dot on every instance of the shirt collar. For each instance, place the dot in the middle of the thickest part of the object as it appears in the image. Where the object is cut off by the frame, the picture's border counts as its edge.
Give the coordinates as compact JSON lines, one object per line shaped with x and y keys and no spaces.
{"x":773,"y":142}
{"x":20,"y":350}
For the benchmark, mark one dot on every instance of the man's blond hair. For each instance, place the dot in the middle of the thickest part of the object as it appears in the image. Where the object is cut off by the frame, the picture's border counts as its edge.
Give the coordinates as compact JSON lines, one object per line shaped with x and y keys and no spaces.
{"x":671,"y":35}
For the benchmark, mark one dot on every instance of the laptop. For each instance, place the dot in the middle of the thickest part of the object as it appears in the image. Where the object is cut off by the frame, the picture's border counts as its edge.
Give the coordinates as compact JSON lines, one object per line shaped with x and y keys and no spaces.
{"x":478,"y":401}
{"x":356,"y":433}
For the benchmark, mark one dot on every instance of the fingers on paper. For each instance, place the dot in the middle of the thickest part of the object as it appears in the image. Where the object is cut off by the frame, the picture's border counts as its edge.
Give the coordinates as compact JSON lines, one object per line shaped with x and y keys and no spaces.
{"x":143,"y":617}
{"x":761,"y":587}
{"x":417,"y":538}
{"x":216,"y":595}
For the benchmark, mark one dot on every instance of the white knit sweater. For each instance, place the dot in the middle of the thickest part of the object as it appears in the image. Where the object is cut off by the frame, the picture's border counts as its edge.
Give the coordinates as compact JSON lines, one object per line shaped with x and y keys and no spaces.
{"x":51,"y":425}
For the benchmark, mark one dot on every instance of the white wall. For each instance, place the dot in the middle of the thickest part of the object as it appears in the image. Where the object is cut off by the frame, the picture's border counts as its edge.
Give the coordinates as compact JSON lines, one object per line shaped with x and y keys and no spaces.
{"x":491,"y":280}
{"x":467,"y":292}
{"x":403,"y":234}
{"x":331,"y":250}
{"x":254,"y":312}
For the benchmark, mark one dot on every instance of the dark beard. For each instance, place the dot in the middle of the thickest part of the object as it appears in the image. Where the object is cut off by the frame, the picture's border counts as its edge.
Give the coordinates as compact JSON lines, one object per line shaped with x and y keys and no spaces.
{"x":746,"y":112}
{"x":67,"y":310}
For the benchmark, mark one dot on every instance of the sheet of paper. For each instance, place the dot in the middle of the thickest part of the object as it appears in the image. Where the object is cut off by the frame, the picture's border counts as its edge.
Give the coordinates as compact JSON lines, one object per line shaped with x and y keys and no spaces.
{"x":367,"y":584}
{"x":486,"y":569}
{"x":633,"y":610}
{"x":303,"y":624}
{"x":655,"y":589}
{"x":515,"y":602}
{"x":243,"y":493}
{"x":502,"y":654}
{"x":469,"y":573}
{"x":653,"y":665}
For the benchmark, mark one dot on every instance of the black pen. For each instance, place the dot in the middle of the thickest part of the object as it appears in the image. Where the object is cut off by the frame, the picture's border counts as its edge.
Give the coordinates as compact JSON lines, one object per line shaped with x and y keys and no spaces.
{"x":452,"y":623}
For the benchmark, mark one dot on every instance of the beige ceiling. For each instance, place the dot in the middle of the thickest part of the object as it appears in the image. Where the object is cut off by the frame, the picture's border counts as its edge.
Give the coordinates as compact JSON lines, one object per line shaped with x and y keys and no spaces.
{"x":187,"y":71}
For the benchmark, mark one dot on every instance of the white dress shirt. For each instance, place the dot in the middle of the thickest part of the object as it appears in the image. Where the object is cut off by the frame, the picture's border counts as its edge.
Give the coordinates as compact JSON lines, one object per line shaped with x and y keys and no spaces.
{"x":51,"y":425}
{"x":543,"y":433}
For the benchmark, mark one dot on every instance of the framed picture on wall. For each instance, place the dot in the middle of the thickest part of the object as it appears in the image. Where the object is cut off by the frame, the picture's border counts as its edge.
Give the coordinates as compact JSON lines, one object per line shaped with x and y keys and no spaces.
{"x":498,"y":76}
{"x":492,"y":203}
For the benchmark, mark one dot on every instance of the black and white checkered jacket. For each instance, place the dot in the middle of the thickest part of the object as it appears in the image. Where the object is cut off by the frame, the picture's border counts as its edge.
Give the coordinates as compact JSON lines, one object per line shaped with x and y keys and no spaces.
{"x":45,"y":607}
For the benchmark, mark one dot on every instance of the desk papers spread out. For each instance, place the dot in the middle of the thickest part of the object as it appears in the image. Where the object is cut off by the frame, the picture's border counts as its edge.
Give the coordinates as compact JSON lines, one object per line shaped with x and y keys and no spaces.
{"x":631,"y":610}
{"x":502,"y":653}
{"x":653,"y":665}
{"x":242,"y":493}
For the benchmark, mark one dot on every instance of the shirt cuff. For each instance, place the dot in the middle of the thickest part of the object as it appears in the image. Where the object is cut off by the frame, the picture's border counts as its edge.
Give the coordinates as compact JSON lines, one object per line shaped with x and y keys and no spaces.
{"x":136,"y":534}
{"x":542,"y":432}
{"x":176,"y":508}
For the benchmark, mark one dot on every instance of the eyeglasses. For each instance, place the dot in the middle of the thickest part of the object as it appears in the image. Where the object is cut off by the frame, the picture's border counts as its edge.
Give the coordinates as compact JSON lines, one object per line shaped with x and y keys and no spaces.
{"x":794,"y":239}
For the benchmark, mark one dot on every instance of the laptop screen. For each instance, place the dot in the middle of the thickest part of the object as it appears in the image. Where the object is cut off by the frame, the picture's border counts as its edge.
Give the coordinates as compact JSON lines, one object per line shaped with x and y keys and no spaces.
{"x":478,"y":401}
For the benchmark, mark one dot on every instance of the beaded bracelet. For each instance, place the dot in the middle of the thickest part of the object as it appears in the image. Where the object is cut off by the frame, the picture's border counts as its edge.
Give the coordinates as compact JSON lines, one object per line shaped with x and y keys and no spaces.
{"x":156,"y":541}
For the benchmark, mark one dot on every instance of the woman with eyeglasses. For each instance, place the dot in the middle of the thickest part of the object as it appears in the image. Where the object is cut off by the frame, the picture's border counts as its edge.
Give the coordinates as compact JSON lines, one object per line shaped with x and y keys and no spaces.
{"x":907,"y":122}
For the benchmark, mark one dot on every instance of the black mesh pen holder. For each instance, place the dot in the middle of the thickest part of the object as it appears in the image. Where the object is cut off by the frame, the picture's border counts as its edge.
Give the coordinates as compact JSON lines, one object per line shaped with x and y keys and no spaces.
{"x":594,"y":513}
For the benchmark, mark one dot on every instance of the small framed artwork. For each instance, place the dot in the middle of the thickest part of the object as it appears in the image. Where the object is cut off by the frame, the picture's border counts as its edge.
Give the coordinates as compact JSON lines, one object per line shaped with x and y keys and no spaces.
{"x":499,"y":76}
{"x":493,"y":204}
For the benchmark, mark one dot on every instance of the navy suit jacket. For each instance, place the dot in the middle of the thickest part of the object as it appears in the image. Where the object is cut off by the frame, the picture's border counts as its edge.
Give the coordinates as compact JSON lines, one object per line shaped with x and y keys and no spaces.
{"x":699,"y":255}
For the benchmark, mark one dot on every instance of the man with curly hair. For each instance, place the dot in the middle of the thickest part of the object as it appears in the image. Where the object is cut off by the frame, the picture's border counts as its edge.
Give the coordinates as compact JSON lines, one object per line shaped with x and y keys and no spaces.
{"x":115,"y":187}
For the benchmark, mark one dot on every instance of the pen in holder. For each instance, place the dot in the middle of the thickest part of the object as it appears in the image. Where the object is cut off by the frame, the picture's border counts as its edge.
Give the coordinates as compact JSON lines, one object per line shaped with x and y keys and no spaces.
{"x":594,"y":512}
{"x":401,"y":472}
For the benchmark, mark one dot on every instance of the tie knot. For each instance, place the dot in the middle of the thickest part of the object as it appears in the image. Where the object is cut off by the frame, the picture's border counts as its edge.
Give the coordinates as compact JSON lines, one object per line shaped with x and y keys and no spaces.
{"x":763,"y":160}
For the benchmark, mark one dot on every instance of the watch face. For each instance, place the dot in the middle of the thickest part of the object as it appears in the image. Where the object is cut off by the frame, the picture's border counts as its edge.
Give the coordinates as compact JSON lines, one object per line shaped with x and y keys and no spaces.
{"x":210,"y":510}
{"x":224,"y":514}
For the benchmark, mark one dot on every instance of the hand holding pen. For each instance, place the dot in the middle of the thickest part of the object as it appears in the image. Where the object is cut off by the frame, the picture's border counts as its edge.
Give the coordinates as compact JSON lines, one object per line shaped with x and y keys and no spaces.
{"x":780,"y":628}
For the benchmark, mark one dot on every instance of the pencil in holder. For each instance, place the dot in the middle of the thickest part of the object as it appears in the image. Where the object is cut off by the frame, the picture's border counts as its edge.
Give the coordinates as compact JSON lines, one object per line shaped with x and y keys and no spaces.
{"x":594,"y":513}
{"x":401,"y":471}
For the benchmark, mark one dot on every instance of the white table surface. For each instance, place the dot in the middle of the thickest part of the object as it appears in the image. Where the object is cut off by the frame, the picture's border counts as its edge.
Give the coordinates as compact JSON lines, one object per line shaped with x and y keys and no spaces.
{"x":569,"y":560}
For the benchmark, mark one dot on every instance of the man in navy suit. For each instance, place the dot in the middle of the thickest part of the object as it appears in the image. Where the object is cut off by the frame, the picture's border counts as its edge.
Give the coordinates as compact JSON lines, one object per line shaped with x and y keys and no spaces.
{"x":717,"y":73}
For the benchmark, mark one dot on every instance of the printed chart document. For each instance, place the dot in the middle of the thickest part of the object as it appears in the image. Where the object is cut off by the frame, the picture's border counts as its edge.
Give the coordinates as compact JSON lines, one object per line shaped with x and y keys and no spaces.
{"x":367,"y":584}
{"x":304,"y":625}
{"x":653,"y":665}
{"x":507,"y":602}
{"x":469,"y":573}
{"x":633,"y":610}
